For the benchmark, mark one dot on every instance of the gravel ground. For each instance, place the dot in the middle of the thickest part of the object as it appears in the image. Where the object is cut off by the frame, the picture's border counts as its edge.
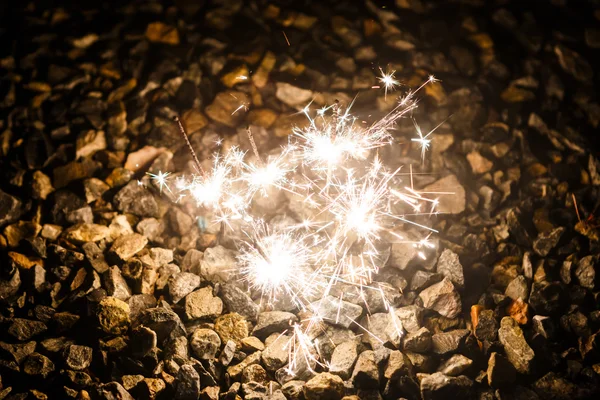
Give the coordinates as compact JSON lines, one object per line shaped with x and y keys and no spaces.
{"x":109,"y":290}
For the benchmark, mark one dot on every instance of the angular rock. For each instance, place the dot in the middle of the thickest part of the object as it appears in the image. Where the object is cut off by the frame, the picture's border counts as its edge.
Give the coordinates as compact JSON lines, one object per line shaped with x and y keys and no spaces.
{"x":127,"y":246}
{"x":336,"y":311}
{"x":411,"y":317}
{"x":292,"y":95}
{"x":205,"y":343}
{"x":442,"y":298}
{"x":500,"y":372}
{"x":449,"y":266}
{"x":449,"y":204}
{"x":324,"y":386}
{"x":113,"y":316}
{"x":418,"y":341}
{"x":343,"y":358}
{"x":38,"y":365}
{"x":78,"y":357}
{"x":449,"y":342}
{"x":115,"y":284}
{"x":487,"y":326}
{"x":163,"y":321}
{"x":237,"y":300}
{"x":24,"y":329}
{"x":273,"y":321}
{"x":586,"y":272}
{"x":518,"y":288}
{"x":438,"y":386}
{"x":366,"y":372}
{"x":187,"y":385}
{"x":10,"y":208}
{"x":455,"y":365}
{"x":546,"y":241}
{"x":202,"y":304}
{"x":231,"y":326}
{"x":517,"y":350}
{"x":137,"y":200}
{"x":276,"y":353}
{"x":217,"y":264}
{"x":182,"y":284}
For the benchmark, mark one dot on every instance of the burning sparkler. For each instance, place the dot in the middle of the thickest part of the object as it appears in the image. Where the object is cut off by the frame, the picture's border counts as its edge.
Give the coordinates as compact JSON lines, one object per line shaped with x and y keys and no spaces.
{"x":332,"y":166}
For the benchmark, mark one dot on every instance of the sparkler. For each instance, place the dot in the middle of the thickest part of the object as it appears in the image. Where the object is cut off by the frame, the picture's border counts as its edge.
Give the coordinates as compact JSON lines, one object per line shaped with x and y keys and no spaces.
{"x":333,"y":167}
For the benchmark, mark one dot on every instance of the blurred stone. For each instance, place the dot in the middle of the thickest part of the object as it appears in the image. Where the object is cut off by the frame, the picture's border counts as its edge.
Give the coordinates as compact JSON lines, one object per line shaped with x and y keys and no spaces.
{"x":454,"y":203}
{"x":291,"y":95}
{"x":161,"y":33}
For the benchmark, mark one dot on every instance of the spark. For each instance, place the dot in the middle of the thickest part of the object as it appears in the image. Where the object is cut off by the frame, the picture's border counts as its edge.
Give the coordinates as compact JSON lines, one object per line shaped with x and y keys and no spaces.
{"x":286,"y":38}
{"x":388,"y":81}
{"x":161,"y":180}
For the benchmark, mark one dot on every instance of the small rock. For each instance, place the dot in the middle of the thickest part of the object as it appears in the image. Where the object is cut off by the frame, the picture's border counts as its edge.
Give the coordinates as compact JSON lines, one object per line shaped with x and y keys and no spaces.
{"x":500,"y":372}
{"x":273,"y":321}
{"x":479,"y":164}
{"x":449,"y":342}
{"x":115,"y":284}
{"x":205,"y":343}
{"x":10,"y":208}
{"x":449,"y":204}
{"x":418,"y":341}
{"x":202,"y":304}
{"x":438,"y":386}
{"x":24,"y":329}
{"x":137,"y":200}
{"x":113,"y":316}
{"x":276,"y":353}
{"x":343,"y":358}
{"x":324,"y":386}
{"x":78,"y":357}
{"x":251,"y":344}
{"x":181,"y":284}
{"x":366,"y":372}
{"x":573,"y":64}
{"x":292,"y":95}
{"x":159,"y":32}
{"x":411,"y":317}
{"x":89,"y":142}
{"x":127,"y":246}
{"x":546,"y":241}
{"x":336,"y":311}
{"x":237,"y":300}
{"x":487,"y":326}
{"x":442,"y":298}
{"x":398,"y":365}
{"x":232,"y":327}
{"x":41,"y":186}
{"x":113,"y":390}
{"x":217,"y":264}
{"x":83,"y":233}
{"x":187,"y":385}
{"x":449,"y":266}
{"x":518,"y":288}
{"x":96,"y":257}
{"x":519,"y":311}
{"x":586,"y":272}
{"x":36,"y":364}
{"x":225,"y":108}
{"x":517,"y":350}
{"x":455,"y":365}
{"x":554,"y":386}
{"x":164,"y":322}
